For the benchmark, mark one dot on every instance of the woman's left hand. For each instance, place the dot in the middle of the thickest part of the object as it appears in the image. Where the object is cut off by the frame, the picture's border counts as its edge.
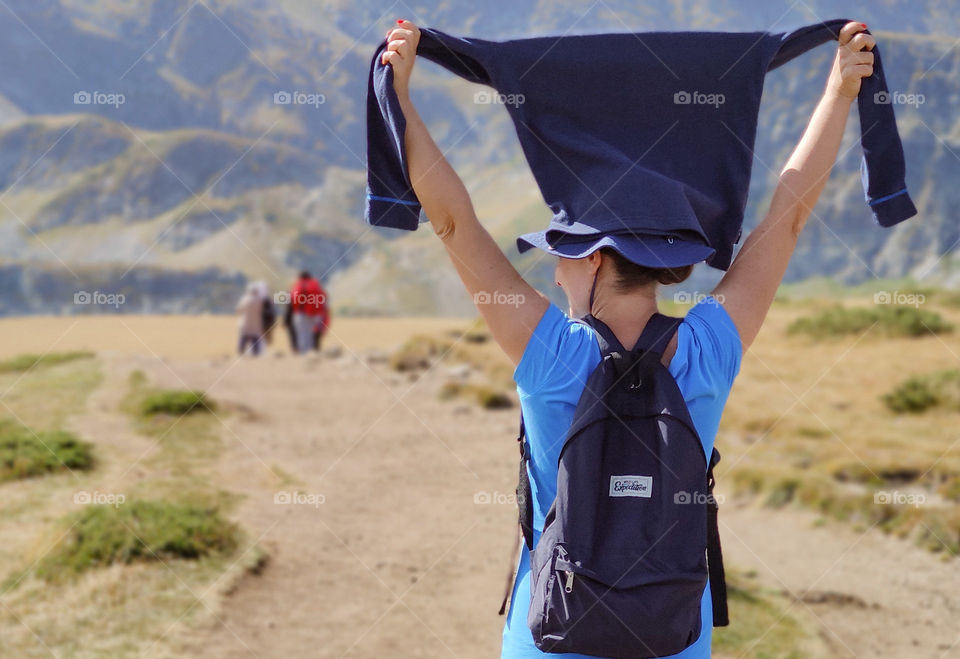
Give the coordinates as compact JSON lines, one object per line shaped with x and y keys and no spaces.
{"x":401,"y":52}
{"x":853,"y":62}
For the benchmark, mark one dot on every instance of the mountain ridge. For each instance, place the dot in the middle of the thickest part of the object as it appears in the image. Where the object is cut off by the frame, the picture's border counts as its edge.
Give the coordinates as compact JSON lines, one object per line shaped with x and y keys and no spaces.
{"x":204,"y":167}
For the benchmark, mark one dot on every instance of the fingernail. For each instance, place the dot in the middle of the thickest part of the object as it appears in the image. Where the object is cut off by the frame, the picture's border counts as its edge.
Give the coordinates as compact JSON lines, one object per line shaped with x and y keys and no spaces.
{"x":863,"y":25}
{"x":400,"y":20}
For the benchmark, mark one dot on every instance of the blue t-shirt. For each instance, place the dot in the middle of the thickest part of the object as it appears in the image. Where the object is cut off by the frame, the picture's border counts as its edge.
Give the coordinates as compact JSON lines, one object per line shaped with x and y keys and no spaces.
{"x":550,"y":377}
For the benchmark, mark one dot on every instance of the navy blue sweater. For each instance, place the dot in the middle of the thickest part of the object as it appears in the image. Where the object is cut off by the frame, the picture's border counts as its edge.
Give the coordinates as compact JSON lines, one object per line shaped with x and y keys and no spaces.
{"x":651,"y":130}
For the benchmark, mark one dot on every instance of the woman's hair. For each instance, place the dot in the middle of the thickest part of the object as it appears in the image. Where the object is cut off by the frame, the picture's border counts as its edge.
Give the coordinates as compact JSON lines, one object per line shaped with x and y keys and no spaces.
{"x":631,"y":276}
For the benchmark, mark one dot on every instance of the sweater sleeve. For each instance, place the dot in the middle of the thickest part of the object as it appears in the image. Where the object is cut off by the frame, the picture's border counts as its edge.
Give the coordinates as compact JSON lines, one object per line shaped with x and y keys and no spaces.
{"x":391,"y":201}
{"x":882,"y":167}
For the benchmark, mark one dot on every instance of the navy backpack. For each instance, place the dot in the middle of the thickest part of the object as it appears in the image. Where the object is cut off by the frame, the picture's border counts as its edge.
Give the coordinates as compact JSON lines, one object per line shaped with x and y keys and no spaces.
{"x":627,"y":545}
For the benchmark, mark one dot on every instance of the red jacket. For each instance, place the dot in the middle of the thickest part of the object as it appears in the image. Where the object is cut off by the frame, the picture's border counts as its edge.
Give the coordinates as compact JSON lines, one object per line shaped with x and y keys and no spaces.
{"x":308,"y":297}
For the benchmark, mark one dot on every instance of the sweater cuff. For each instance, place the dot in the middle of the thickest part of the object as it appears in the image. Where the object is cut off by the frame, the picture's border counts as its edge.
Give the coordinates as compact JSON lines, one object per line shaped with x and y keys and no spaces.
{"x":393,"y":213}
{"x":893,"y":208}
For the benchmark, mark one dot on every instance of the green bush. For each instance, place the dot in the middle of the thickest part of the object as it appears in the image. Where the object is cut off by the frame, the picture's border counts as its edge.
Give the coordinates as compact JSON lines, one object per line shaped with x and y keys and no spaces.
{"x":921,"y":392}
{"x":26,"y":454}
{"x":940,"y":532}
{"x":487,"y":397}
{"x":22,"y":363}
{"x":951,"y":489}
{"x":418,"y":351}
{"x":783,"y":492}
{"x":175,"y":402}
{"x":890,"y":320}
{"x":138,"y":530}
{"x":476,"y":332}
{"x":491,"y":399}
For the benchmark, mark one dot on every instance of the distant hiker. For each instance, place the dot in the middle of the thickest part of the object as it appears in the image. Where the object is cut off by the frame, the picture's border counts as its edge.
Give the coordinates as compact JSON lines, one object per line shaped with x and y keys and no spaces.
{"x":268,"y":311}
{"x":321,"y":326}
{"x":611,"y":279}
{"x":308,"y":302}
{"x":288,"y":323}
{"x":250,"y":308}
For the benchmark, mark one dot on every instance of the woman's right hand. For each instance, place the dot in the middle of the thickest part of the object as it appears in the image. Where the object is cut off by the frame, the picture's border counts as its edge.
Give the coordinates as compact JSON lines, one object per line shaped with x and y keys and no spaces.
{"x":401,"y":52}
{"x":853,"y":62}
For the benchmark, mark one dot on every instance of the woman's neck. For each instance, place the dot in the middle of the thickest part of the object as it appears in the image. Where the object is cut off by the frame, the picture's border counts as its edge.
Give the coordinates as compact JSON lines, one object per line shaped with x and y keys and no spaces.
{"x":626,"y":313}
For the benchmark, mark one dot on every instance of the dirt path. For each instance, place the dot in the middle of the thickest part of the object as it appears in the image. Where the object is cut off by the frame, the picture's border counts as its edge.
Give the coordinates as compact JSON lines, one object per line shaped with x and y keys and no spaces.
{"x":873,"y":595}
{"x":384,"y":552}
{"x":123,"y":448}
{"x":397,"y":560}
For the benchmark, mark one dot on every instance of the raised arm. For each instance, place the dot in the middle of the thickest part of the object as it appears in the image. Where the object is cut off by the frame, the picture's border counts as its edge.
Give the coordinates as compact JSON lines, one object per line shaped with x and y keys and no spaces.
{"x":511,"y":307}
{"x":750,"y":284}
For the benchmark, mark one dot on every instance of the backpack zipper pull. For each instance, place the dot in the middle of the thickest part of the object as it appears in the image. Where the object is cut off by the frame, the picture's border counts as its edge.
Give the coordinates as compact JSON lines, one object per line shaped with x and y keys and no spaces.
{"x":569,"y":585}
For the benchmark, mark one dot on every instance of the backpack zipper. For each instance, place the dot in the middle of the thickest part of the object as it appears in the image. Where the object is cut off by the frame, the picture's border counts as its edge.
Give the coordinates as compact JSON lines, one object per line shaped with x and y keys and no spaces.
{"x":569,"y":585}
{"x":657,"y":415}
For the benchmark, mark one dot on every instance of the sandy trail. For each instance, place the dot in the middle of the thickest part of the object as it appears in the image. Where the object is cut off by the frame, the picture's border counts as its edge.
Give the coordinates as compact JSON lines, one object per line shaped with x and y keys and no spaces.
{"x":123,"y":449}
{"x":398,"y":560}
{"x":871,"y":594}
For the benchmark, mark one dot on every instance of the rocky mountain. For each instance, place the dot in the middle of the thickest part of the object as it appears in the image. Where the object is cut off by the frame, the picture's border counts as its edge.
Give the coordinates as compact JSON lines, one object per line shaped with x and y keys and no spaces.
{"x":172,"y":150}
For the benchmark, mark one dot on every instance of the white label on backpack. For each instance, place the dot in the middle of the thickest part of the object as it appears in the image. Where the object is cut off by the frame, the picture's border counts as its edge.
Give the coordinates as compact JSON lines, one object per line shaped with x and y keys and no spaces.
{"x":631,"y":486}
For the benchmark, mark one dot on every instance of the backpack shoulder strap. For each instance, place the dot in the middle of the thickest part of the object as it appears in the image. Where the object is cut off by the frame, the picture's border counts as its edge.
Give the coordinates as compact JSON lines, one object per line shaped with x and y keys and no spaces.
{"x":718,"y":583}
{"x":605,"y":337}
{"x":657,"y":333}
{"x":524,"y":505}
{"x":524,"y":492}
{"x":655,"y":336}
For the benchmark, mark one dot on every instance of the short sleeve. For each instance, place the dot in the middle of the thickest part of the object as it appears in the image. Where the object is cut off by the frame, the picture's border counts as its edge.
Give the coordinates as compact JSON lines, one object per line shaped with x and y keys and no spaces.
{"x":715,"y":337}
{"x":554,"y":352}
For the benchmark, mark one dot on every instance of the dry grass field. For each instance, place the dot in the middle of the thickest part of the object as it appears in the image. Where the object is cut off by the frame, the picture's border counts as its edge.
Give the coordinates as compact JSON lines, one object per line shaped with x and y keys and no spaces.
{"x":330,"y":505}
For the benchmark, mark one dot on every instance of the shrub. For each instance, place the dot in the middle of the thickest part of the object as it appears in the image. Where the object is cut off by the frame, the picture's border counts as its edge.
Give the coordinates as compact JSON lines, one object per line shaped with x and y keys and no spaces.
{"x":139,"y":530}
{"x":22,"y":363}
{"x":487,"y":397}
{"x":26,"y":454}
{"x":940,"y":532}
{"x":491,"y":399}
{"x":890,"y":320}
{"x":418,"y":351}
{"x":783,"y":492}
{"x":175,"y":402}
{"x":921,"y":392}
{"x":476,"y":332}
{"x":951,"y":489}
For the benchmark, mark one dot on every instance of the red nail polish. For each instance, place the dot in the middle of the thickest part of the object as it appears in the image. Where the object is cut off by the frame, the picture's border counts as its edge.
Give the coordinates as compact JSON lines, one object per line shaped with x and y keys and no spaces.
{"x":400,"y":20}
{"x":863,"y":25}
